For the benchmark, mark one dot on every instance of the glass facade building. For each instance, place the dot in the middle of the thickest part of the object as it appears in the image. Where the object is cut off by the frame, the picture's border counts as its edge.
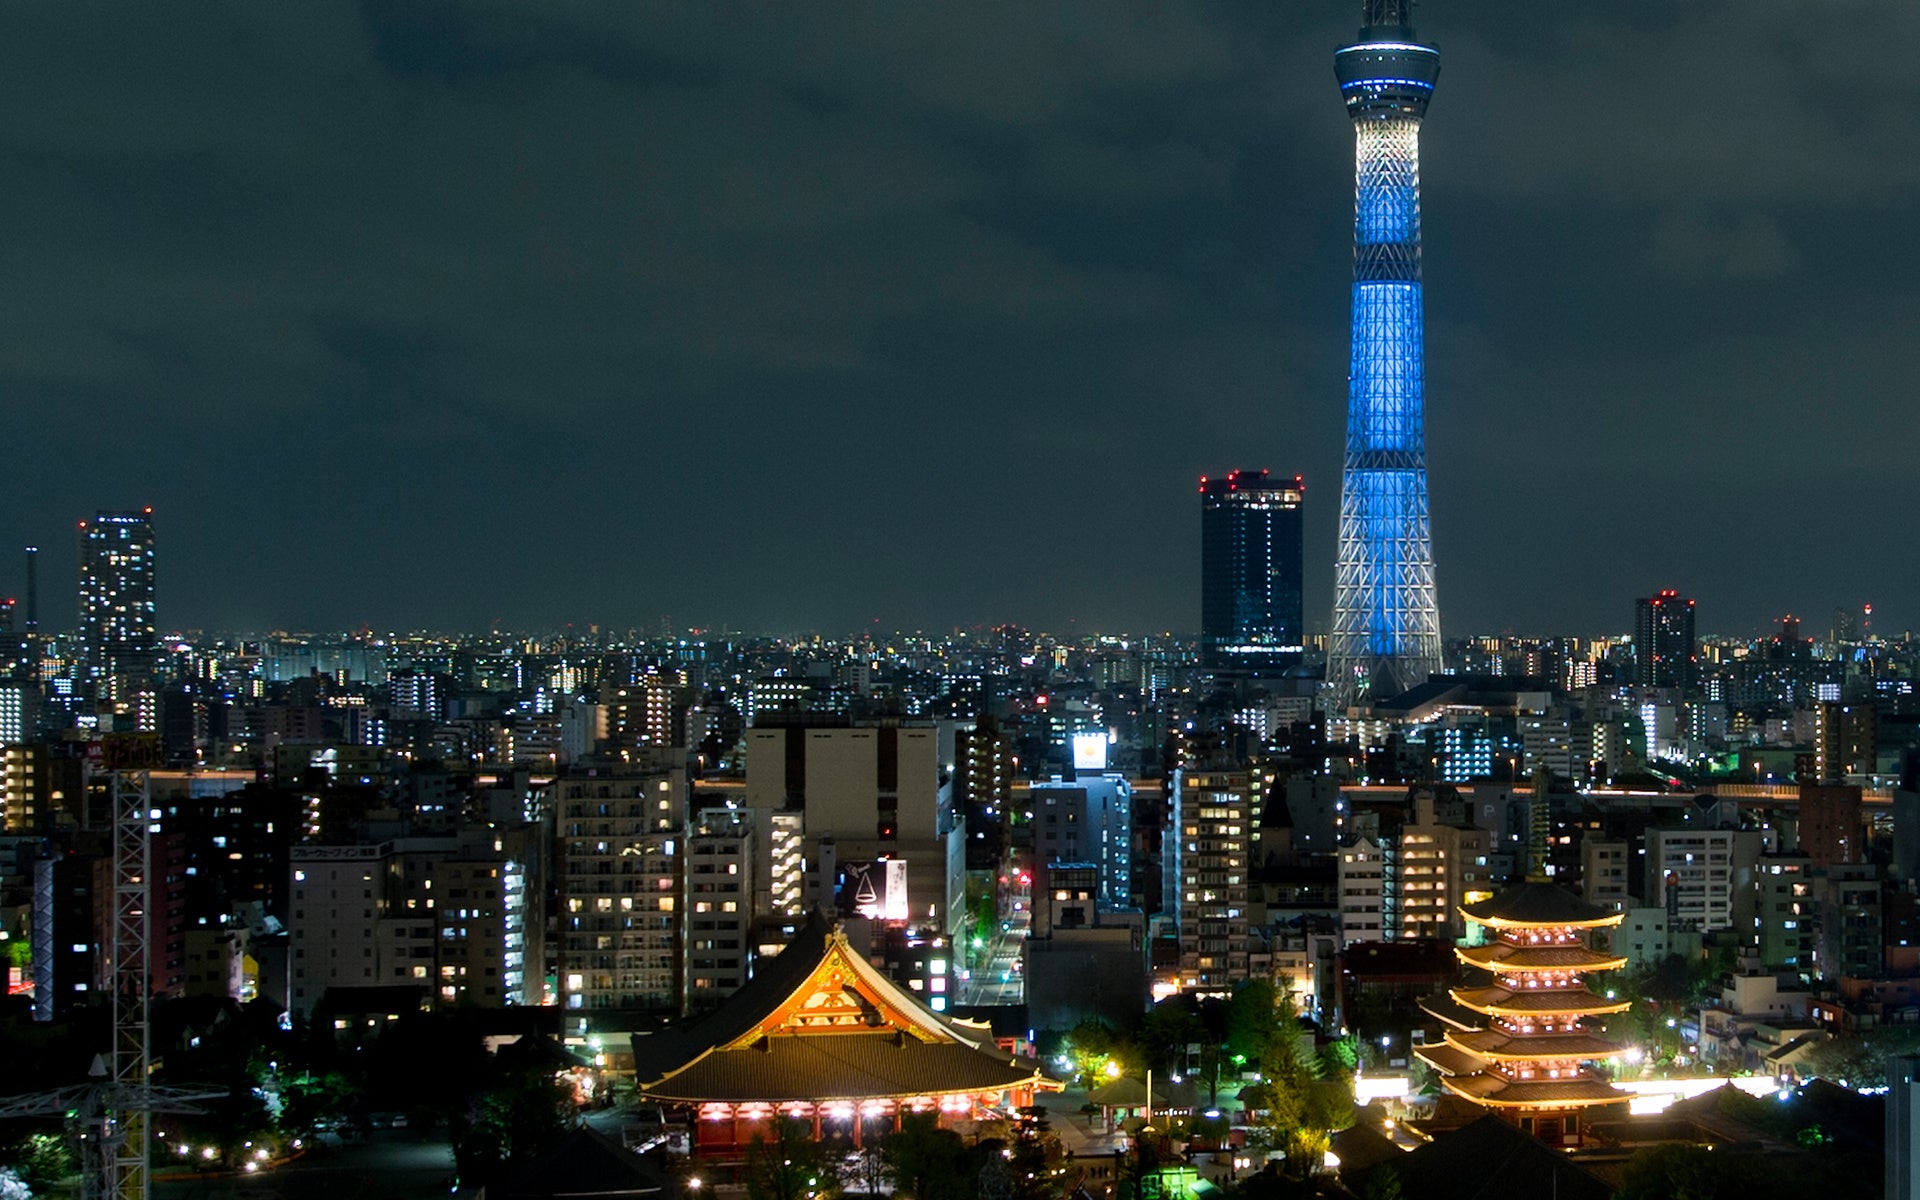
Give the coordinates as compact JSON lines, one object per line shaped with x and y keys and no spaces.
{"x":1250,"y":569}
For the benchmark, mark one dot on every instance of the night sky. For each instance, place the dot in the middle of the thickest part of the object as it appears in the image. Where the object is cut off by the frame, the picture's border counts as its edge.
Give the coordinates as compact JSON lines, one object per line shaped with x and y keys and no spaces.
{"x":802,"y":316}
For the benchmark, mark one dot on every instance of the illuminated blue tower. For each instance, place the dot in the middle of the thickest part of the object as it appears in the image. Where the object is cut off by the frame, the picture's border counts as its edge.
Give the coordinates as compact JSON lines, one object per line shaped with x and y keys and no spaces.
{"x":1386,"y":620}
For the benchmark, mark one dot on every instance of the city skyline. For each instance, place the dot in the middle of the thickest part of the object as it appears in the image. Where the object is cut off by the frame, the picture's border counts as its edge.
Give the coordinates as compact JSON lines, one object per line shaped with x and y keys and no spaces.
{"x":480,"y":317}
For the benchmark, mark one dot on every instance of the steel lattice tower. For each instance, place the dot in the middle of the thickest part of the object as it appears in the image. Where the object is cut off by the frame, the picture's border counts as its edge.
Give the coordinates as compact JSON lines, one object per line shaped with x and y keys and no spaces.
{"x":1386,"y":620}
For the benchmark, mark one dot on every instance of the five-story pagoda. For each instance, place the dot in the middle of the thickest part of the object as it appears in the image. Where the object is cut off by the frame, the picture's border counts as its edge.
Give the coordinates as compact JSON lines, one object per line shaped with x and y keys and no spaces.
{"x":1516,"y":1037}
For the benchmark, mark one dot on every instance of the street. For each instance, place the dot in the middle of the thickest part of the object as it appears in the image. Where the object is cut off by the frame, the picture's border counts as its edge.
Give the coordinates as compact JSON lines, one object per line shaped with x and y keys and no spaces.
{"x":1000,"y":978}
{"x":390,"y":1164}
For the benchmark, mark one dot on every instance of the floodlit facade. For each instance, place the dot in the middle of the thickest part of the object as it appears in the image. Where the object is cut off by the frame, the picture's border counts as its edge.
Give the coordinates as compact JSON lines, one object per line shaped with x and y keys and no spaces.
{"x":1386,"y":619}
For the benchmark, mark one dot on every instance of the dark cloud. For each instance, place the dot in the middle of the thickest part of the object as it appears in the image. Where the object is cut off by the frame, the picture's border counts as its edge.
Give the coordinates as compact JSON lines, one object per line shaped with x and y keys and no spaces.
{"x":782,"y":316}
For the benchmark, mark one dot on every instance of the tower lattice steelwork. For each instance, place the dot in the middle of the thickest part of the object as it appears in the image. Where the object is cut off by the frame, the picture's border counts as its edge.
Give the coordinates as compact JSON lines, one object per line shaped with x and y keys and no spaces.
{"x":1386,"y":620}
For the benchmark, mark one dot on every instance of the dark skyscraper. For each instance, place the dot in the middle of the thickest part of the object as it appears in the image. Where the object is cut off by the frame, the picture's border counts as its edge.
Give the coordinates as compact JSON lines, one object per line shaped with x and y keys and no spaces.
{"x":117,"y":616}
{"x":1664,"y":650}
{"x":1250,"y":570}
{"x":1386,"y":619}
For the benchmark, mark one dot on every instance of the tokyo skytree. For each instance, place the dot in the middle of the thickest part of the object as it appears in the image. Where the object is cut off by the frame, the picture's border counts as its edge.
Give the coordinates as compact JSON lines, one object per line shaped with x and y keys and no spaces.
{"x":1386,"y":619}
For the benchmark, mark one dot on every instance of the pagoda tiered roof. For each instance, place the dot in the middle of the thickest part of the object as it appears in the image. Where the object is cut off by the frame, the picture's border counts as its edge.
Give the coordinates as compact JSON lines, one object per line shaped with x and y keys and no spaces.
{"x":1499,"y":1045}
{"x":1572,"y":1002}
{"x":820,"y":1023}
{"x":1505,"y":956}
{"x":1580,"y":1091}
{"x":1487,"y":1057}
{"x":1537,"y":904}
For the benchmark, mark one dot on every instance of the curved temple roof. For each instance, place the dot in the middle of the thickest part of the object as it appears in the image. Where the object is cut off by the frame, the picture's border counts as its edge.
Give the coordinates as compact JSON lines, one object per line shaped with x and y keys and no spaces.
{"x":819,"y":1023}
{"x":1504,"y":956}
{"x":1543,"y":905}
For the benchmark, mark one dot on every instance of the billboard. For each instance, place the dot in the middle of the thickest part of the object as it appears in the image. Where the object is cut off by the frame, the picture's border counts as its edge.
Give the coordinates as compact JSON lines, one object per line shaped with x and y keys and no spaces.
{"x":875,"y":888}
{"x":1090,"y":751}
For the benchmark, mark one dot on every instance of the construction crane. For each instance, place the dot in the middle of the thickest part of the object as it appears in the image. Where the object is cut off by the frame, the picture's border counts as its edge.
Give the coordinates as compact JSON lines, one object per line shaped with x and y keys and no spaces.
{"x":113,"y":1109}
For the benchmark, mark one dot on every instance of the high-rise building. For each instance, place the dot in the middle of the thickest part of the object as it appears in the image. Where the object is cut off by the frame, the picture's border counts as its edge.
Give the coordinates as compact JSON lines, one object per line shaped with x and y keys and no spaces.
{"x":1209,"y":856}
{"x":1441,"y":868}
{"x":117,"y":630}
{"x":1087,"y":821}
{"x":1386,"y":617}
{"x":621,"y":867}
{"x":1250,"y":543}
{"x":1665,"y":651}
{"x":1845,"y":740}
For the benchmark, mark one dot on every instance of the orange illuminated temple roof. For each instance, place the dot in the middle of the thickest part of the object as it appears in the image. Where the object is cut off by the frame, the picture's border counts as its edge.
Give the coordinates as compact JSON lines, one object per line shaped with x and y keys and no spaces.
{"x":1516,"y":1036}
{"x":820,"y":1023}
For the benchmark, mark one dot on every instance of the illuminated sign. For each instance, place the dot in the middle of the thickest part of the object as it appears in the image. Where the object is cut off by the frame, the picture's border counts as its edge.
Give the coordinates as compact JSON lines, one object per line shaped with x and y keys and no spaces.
{"x":1090,"y":751}
{"x":874,"y":889}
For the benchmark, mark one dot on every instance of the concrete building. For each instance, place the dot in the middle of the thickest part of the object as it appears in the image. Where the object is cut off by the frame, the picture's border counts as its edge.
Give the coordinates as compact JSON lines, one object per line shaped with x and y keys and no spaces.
{"x":1604,"y":866}
{"x":875,"y":792}
{"x":457,"y":917}
{"x":1441,"y":868}
{"x":1832,"y":830}
{"x":1213,"y":813}
{"x":1786,"y":913}
{"x":1903,"y":1128}
{"x":1090,"y":820}
{"x":1647,"y":936}
{"x":621,"y":837}
{"x":721,"y":870}
{"x":1364,"y":908}
{"x":119,"y":640}
{"x":1696,"y":873}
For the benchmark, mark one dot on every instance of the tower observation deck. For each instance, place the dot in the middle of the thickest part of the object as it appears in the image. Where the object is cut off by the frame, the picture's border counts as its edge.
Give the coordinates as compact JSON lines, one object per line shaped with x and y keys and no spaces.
{"x":1386,"y":619}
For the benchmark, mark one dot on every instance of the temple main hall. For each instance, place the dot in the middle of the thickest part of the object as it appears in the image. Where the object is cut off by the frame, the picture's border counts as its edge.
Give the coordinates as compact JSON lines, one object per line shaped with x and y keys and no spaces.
{"x":822,"y":1036}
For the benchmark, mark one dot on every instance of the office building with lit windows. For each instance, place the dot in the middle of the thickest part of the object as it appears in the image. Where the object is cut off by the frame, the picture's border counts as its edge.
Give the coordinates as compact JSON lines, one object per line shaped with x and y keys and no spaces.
{"x":120,"y":642}
{"x":456,"y":919}
{"x":1665,"y":651}
{"x":1213,"y":814}
{"x":621,"y":858}
{"x":1250,"y":572}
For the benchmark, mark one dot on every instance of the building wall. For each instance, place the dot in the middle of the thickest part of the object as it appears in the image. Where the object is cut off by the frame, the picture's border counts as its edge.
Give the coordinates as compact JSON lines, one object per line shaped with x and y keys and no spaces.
{"x":1213,"y":814}
{"x":1362,"y":898}
{"x":720,"y":905}
{"x":1603,"y":872}
{"x":621,"y":852}
{"x":870,"y":791}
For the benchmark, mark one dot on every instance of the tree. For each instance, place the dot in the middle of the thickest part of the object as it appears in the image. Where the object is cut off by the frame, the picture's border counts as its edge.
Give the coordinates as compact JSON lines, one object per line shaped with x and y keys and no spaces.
{"x":1251,"y":1017}
{"x":787,"y":1164}
{"x":1677,"y":1172}
{"x":1861,"y":1059}
{"x":1169,"y":1028}
{"x":1298,"y":1111}
{"x":1037,"y":1157}
{"x":1383,"y":1183}
{"x":926,"y":1162}
{"x":521,"y":1116}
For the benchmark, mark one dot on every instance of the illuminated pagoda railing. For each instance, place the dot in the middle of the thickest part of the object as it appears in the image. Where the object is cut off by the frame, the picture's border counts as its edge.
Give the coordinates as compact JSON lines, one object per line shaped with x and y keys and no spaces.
{"x":1517,"y":1040}
{"x":823,"y":1037}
